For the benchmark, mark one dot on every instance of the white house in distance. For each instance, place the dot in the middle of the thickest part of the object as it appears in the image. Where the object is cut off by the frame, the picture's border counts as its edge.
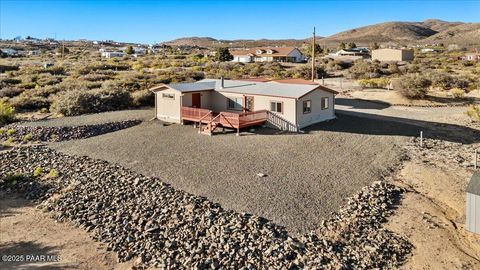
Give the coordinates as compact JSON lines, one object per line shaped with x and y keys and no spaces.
{"x":110,"y":54}
{"x":285,"y":104}
{"x":268,"y":54}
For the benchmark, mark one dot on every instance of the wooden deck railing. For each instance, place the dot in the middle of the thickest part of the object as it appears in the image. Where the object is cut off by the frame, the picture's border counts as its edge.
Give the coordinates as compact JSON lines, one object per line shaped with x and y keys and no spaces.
{"x":226,"y":119}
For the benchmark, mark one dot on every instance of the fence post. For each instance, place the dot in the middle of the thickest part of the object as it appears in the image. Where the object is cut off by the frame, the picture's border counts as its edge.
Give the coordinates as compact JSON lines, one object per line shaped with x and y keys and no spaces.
{"x":475,"y":159}
{"x":421,"y":138}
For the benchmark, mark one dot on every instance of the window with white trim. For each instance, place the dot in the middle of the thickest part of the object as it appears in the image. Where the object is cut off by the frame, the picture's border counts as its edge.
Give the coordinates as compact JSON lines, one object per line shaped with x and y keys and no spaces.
{"x":235,"y":103}
{"x":276,"y":106}
{"x":307,"y":106}
{"x":325,"y":103}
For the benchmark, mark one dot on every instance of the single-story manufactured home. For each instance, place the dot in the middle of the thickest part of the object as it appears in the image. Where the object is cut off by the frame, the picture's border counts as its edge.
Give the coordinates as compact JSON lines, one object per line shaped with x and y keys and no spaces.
{"x":268,"y":54}
{"x":285,"y":104}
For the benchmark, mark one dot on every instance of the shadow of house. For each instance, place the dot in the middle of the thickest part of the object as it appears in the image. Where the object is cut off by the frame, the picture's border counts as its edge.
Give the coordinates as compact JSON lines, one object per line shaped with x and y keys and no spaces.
{"x":362,"y":104}
{"x":372,"y":124}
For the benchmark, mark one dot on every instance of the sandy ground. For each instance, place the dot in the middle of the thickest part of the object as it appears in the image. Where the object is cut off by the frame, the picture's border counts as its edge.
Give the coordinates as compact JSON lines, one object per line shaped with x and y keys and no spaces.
{"x":393,"y":97}
{"x":432,"y":217}
{"x":26,"y":230}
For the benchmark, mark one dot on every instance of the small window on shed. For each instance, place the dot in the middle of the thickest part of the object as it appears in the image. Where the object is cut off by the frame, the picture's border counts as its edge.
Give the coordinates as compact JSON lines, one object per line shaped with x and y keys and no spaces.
{"x":168,"y":96}
{"x":307,"y":106}
{"x":276,"y":106}
{"x":324,"y":103}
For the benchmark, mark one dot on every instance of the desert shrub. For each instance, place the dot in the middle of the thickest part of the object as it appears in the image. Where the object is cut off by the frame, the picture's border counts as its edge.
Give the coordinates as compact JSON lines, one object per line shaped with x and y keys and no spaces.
{"x":4,"y":68}
{"x":10,"y":92}
{"x":374,"y":82}
{"x":143,"y":98}
{"x":474,"y":112}
{"x":9,"y":81}
{"x":7,"y":113}
{"x":53,"y":173}
{"x":29,"y":102}
{"x":412,"y":86}
{"x":38,"y":171}
{"x":28,"y":137}
{"x":305,"y":72}
{"x":363,"y":70}
{"x":458,"y":93}
{"x":91,"y":101}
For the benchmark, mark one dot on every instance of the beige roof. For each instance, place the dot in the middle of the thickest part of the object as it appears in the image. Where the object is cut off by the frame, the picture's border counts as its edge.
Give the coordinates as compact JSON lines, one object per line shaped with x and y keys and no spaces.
{"x":276,"y":51}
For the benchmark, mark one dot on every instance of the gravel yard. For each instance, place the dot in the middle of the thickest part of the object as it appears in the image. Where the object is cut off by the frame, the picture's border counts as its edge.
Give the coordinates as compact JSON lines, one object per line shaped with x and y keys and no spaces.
{"x":97,"y":118}
{"x":307,"y":176}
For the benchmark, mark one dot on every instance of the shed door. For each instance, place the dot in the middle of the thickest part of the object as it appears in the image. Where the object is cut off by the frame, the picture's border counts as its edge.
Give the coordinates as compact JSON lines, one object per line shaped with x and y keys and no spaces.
{"x":196,"y":100}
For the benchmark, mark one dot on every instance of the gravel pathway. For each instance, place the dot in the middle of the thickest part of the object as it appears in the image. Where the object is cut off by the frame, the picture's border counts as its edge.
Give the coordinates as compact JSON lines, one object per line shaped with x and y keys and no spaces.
{"x":307,"y":176}
{"x":97,"y":118}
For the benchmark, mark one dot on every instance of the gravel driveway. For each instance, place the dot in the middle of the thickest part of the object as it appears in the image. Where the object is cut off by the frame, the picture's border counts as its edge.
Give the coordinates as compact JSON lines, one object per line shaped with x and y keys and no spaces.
{"x":308,"y":176}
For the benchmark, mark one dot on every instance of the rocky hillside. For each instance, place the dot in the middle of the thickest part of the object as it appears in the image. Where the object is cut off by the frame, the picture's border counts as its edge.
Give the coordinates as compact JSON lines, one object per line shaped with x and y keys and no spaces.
{"x":247,"y":43}
{"x":428,"y":31}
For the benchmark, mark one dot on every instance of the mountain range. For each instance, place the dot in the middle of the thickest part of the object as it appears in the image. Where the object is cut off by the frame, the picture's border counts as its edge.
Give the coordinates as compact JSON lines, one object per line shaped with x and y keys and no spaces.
{"x":404,"y":33}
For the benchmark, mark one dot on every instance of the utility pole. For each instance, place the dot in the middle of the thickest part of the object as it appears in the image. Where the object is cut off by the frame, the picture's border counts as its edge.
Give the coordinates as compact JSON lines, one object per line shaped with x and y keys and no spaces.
{"x":313,"y":55}
{"x":63,"y":49}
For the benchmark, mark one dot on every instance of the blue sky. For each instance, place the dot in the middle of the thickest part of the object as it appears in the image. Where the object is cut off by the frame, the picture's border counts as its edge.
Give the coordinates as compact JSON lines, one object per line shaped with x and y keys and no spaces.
{"x":150,"y":21}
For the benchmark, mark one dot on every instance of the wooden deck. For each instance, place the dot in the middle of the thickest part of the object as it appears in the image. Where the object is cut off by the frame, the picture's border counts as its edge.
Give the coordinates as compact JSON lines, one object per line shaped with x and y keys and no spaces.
{"x":224,"y":119}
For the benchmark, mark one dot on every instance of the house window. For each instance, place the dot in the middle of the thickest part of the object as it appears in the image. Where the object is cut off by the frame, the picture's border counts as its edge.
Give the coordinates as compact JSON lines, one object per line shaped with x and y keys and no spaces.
{"x":235,"y":103}
{"x":307,"y":106}
{"x":276,"y":106}
{"x":168,"y":96}
{"x":324,"y":103}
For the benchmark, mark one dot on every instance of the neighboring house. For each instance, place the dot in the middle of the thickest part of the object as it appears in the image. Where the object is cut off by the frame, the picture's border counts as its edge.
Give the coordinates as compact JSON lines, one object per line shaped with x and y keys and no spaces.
{"x":363,"y":52}
{"x":473,"y":56}
{"x":9,"y":52}
{"x":35,"y":52}
{"x":108,"y":54}
{"x":427,"y":50}
{"x":397,"y":55}
{"x":268,"y":54}
{"x":286,"y":105}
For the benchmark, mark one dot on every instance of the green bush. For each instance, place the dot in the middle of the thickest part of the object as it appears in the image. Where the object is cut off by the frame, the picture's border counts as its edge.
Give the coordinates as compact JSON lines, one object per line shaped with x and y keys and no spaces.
{"x":412,"y":86}
{"x":458,"y":93}
{"x":53,"y":173}
{"x":38,"y":171}
{"x":143,"y":98}
{"x":374,"y":82}
{"x":28,"y":137}
{"x":474,"y":112}
{"x":91,"y":101}
{"x":7,"y":113}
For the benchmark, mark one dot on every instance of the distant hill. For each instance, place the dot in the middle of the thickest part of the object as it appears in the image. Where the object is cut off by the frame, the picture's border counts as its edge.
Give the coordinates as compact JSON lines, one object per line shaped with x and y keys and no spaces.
{"x":240,"y":43}
{"x":426,"y":32}
{"x":465,"y":34}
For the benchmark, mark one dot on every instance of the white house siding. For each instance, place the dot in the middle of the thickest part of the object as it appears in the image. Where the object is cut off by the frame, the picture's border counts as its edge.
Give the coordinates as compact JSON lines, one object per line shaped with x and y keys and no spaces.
{"x":317,"y":114}
{"x":168,"y":109}
{"x":242,"y":59}
{"x":297,"y":55}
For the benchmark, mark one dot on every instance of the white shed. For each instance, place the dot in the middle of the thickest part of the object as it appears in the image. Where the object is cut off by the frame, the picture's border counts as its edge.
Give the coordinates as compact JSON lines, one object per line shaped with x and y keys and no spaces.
{"x":473,"y":204}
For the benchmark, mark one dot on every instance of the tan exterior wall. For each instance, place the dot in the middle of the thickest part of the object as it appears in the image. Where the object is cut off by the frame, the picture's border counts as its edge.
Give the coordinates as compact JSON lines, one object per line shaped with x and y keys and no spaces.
{"x":205,"y":99}
{"x":168,"y":109}
{"x":317,"y":114}
{"x":392,"y":55}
